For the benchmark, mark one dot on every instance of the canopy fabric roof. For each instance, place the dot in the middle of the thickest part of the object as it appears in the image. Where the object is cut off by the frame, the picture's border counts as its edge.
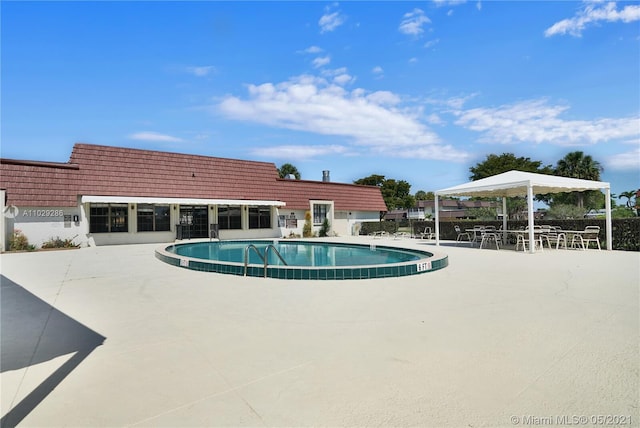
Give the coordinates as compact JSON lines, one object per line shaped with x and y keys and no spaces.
{"x":516,"y":183}
{"x":520,"y":183}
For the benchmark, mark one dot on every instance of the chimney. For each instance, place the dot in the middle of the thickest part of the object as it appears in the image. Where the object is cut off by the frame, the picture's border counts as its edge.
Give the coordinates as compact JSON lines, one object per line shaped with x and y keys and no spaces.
{"x":325,"y":176}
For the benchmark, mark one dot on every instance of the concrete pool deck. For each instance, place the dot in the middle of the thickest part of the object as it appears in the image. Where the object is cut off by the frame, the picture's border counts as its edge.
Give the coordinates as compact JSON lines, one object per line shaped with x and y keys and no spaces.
{"x":497,"y":337}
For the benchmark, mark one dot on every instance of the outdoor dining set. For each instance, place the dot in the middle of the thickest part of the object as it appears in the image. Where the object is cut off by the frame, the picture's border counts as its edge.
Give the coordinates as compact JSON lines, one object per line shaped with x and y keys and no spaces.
{"x":553,"y":236}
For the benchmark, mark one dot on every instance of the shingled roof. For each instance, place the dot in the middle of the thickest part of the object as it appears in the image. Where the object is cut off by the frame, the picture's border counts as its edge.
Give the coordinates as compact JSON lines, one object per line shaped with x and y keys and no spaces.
{"x":297,"y":193}
{"x":39,"y":184}
{"x":115,"y":171}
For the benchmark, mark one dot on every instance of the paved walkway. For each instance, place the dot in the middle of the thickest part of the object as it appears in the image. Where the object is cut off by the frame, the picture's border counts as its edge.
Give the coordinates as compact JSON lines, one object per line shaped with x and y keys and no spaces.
{"x":497,"y":337}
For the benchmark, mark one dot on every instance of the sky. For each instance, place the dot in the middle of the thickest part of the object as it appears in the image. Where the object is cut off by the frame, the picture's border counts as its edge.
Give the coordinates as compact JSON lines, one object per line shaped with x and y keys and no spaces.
{"x":414,"y":91}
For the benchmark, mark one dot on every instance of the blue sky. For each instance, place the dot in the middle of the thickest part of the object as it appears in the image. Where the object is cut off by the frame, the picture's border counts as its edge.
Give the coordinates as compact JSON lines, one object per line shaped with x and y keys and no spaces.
{"x":417,"y":91}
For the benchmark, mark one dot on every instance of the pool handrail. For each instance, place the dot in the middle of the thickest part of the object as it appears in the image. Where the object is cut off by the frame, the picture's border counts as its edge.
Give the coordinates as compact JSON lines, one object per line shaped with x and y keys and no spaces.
{"x":264,"y":258}
{"x":246,"y":256}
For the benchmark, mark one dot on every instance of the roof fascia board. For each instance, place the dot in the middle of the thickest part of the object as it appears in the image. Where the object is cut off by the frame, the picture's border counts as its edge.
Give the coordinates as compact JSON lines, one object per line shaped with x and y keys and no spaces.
{"x":178,"y":201}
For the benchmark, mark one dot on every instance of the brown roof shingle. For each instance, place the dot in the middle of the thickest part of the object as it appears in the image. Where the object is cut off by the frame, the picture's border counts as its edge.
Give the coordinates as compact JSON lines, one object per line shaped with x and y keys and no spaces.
{"x":116,"y":171}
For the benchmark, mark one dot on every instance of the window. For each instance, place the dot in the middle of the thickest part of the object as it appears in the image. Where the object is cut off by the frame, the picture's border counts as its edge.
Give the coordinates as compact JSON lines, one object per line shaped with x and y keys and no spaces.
{"x":105,"y":218}
{"x":320,"y":213}
{"x":229,"y":217}
{"x":260,"y":217}
{"x":153,"y":218}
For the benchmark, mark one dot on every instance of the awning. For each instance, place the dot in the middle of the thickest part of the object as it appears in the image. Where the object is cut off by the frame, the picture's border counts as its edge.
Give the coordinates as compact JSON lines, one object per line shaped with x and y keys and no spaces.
{"x":177,"y":201}
{"x":520,"y":183}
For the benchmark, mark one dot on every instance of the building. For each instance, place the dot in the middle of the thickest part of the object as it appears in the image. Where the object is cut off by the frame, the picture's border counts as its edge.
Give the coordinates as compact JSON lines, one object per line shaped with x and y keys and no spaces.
{"x":450,"y":209}
{"x":111,"y":195}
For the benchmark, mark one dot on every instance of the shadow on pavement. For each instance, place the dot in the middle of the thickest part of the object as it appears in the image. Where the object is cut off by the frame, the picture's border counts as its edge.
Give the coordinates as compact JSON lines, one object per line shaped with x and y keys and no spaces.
{"x":32,"y":332}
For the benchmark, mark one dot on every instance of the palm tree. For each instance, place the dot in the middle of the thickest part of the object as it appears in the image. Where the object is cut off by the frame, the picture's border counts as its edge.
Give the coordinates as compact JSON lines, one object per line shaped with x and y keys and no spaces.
{"x":578,"y":165}
{"x":288,"y":169}
{"x":630,"y":194}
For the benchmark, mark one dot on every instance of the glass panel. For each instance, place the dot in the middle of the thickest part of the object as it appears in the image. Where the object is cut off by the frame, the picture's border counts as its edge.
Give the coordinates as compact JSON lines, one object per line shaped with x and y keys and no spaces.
{"x":145,"y":217}
{"x":235,"y":217}
{"x":163,"y":218}
{"x":99,"y":218}
{"x":265,"y":217}
{"x":119,"y":217}
{"x":319,"y":213}
{"x":223,"y":217}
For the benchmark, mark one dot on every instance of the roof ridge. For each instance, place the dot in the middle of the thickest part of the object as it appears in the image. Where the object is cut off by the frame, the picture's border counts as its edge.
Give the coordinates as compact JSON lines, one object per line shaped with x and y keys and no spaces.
{"x":44,"y":164}
{"x":162,"y":152}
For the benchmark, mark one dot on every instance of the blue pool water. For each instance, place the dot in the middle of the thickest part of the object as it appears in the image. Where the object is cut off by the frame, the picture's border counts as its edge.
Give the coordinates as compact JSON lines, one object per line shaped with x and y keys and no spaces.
{"x":304,"y":259}
{"x":297,"y":253}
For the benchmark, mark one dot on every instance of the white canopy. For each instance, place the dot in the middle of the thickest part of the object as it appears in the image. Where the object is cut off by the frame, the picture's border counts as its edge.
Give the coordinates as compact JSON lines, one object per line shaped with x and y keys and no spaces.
{"x":519,"y":183}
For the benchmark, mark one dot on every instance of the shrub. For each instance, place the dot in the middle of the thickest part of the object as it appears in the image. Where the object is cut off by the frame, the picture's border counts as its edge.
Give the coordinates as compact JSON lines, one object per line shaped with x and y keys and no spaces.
{"x":58,"y":242}
{"x":19,"y":242}
{"x":326,"y":227}
{"x":307,"y":230}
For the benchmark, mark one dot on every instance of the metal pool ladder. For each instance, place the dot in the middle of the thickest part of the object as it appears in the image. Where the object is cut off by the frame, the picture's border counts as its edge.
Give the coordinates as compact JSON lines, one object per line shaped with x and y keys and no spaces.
{"x":264,"y":257}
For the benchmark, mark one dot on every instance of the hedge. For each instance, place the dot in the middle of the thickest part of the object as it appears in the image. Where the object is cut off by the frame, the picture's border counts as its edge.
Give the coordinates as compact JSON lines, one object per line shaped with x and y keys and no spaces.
{"x":625,"y":231}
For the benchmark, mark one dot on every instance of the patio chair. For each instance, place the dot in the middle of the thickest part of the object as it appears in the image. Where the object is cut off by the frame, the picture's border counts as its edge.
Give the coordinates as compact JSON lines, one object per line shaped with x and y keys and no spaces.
{"x":555,"y":234}
{"x":461,"y":234}
{"x":427,"y":234}
{"x":590,"y":234}
{"x":523,"y":238}
{"x":490,"y":234}
{"x":478,"y":232}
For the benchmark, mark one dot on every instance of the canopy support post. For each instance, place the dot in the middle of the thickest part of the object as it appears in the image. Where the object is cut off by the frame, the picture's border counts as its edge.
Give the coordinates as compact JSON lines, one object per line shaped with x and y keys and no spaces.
{"x":532,"y":247}
{"x":607,"y":205}
{"x":504,"y":219}
{"x":437,"y":220}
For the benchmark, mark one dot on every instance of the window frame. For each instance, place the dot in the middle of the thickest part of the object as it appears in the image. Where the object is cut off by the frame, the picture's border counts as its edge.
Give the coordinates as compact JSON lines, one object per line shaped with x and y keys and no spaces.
{"x":112,"y":221}
{"x":263,"y":215}
{"x":156,"y":216}
{"x":227,"y":221}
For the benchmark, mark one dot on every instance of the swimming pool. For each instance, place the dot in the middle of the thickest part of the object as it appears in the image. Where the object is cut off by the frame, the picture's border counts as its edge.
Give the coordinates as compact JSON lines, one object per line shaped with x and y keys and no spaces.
{"x":293,"y":259}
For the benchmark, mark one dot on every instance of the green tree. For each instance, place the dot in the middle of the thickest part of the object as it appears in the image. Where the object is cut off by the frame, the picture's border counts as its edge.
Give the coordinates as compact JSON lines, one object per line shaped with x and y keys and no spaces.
{"x":421,"y":195}
{"x":287,"y":169}
{"x":497,"y":164}
{"x":578,"y":165}
{"x":372,"y":180}
{"x":629,"y":195}
{"x":396,"y":193}
{"x":563,"y":212}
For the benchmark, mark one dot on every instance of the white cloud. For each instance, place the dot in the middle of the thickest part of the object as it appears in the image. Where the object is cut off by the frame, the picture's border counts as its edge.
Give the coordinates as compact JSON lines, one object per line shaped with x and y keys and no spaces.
{"x":413,"y":60}
{"x":434,"y":119}
{"x":154,"y":137}
{"x":536,"y":121}
{"x":375,"y":120}
{"x":440,"y":3}
{"x":377,"y":70}
{"x":431,"y":43}
{"x":412,"y":22}
{"x":479,"y":5}
{"x":340,"y":75}
{"x":331,"y":20}
{"x":591,"y":14}
{"x":311,"y":50}
{"x":626,"y":161}
{"x":299,"y":152}
{"x":343,"y":79}
{"x":321,"y":61}
{"x":201,"y":71}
